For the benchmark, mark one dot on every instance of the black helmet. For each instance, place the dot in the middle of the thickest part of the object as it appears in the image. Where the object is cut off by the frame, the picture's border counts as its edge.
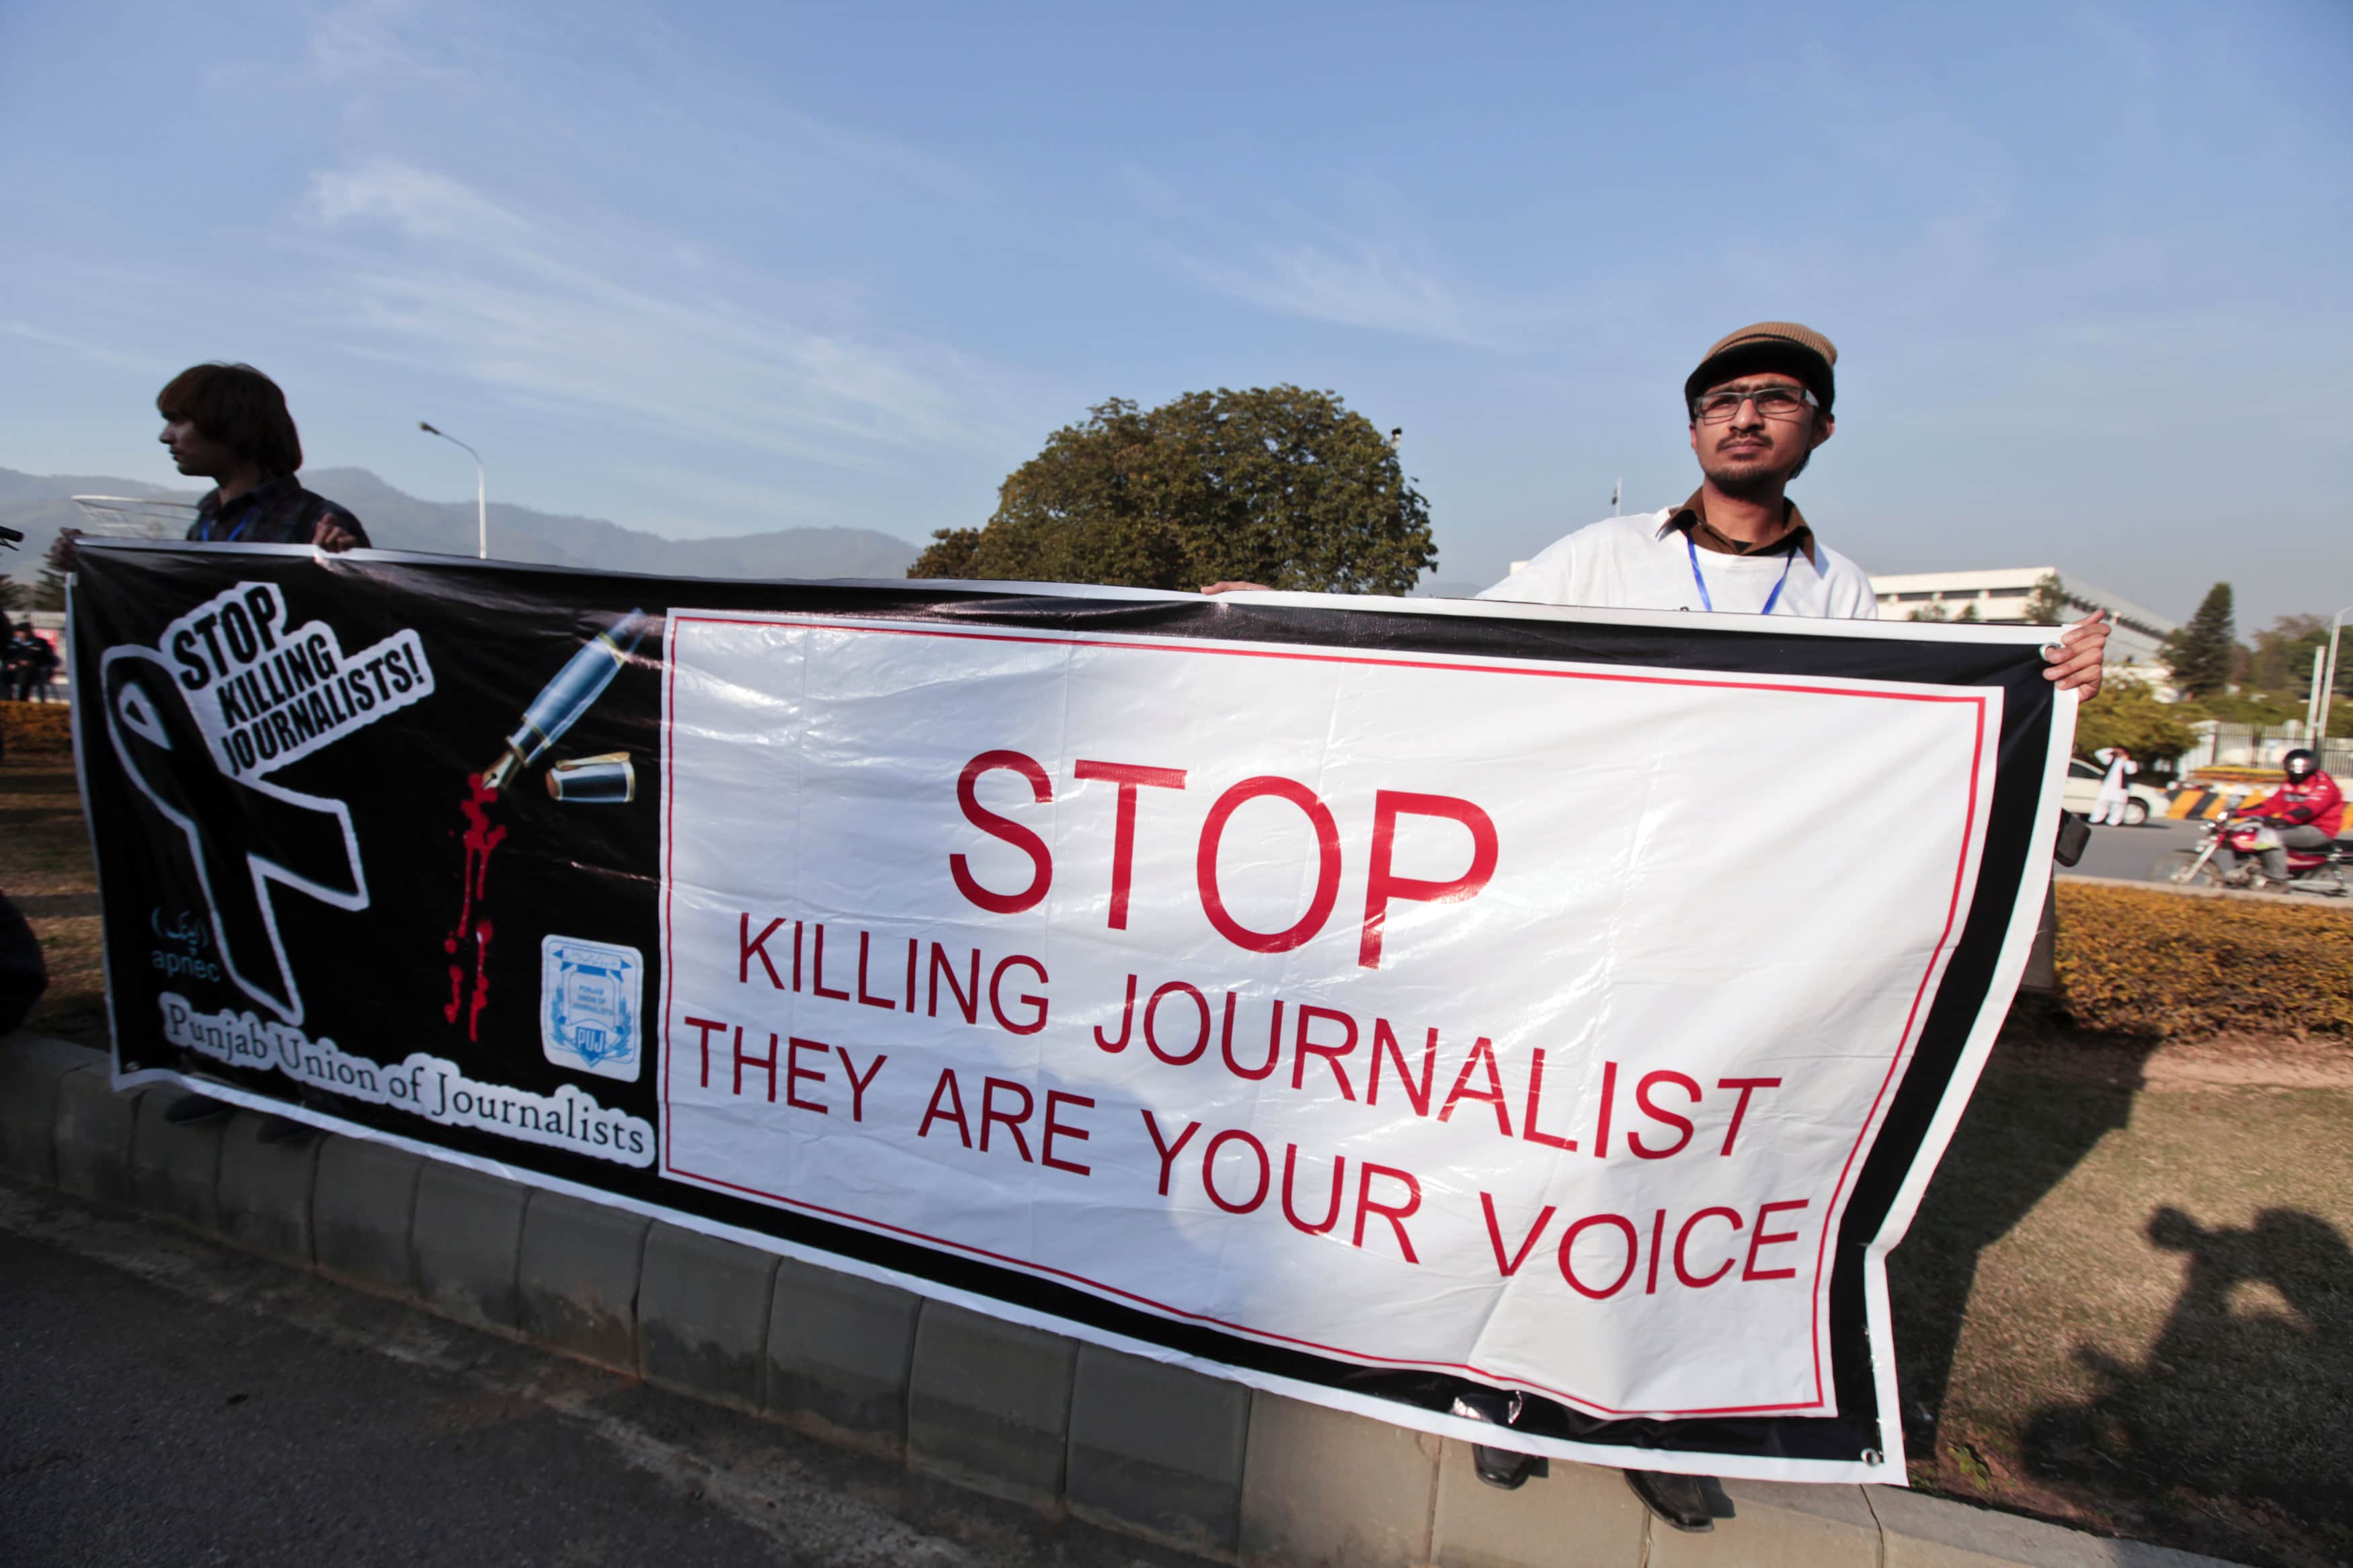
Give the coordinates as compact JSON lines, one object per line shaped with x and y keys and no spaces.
{"x":2300,"y":764}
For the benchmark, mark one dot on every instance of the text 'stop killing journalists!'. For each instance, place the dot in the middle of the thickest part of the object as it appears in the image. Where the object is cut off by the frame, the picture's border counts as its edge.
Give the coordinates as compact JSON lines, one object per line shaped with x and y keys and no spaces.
{"x":1345,"y":996}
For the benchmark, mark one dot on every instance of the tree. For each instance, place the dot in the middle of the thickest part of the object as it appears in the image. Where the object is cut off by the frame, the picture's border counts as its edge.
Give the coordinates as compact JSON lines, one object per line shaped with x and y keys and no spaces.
{"x":11,"y":593}
{"x":2048,"y":607}
{"x":2201,"y":654}
{"x":49,"y":593}
{"x":2256,"y":708}
{"x":2281,"y":662}
{"x":953,"y":552}
{"x":2127,"y":714}
{"x":1272,"y":485}
{"x":1938,"y":613}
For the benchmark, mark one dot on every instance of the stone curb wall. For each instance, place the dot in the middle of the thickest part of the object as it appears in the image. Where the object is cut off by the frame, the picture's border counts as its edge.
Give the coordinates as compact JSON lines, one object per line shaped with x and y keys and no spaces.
{"x":1161,"y":1453}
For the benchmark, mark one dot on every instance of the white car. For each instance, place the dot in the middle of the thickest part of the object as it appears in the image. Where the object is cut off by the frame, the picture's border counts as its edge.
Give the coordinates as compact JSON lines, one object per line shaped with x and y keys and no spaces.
{"x":2083,"y":792}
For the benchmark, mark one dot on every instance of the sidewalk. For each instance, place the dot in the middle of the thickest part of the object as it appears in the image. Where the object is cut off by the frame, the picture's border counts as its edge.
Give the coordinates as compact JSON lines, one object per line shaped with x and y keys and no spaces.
{"x":1117,"y":1443}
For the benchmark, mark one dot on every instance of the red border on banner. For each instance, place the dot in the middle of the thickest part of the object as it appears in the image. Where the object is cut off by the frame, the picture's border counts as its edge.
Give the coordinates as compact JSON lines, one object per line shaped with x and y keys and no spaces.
{"x":1821,"y":1254}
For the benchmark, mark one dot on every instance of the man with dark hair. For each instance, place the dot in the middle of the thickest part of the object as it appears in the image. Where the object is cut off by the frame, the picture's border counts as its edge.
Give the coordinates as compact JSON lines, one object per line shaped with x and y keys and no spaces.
{"x":228,"y":423}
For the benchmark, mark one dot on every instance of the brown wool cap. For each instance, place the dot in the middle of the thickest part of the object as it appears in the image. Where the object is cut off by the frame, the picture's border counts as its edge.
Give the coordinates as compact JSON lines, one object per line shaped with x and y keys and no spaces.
{"x":1785,"y":346}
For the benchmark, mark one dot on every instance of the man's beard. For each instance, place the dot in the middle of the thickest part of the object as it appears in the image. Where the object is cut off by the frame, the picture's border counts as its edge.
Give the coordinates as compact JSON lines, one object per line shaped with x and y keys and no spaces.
{"x":1744,"y":484}
{"x":1759,"y":483}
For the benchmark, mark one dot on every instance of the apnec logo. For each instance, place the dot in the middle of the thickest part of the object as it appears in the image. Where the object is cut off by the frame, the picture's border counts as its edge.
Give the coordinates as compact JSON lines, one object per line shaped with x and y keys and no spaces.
{"x":241,"y":694}
{"x":183,"y":940}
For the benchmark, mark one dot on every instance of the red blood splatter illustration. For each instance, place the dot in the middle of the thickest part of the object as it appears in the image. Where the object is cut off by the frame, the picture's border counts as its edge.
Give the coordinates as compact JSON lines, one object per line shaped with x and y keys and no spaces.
{"x":479,"y":840}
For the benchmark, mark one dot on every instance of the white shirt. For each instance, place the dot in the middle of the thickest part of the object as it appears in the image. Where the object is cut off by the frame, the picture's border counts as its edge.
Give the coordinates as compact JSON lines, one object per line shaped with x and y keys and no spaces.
{"x":2119,"y":769}
{"x":1640,"y":564}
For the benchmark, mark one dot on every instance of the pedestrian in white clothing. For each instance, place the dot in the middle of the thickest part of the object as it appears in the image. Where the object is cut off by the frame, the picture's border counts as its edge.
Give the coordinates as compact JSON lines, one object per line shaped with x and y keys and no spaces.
{"x":2108,"y":809}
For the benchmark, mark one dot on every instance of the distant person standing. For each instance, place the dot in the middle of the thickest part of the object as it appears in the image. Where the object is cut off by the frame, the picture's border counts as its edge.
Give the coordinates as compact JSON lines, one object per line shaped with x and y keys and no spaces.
{"x":31,"y":664}
{"x":228,"y":424}
{"x":40,"y":670}
{"x":15,"y":657}
{"x":2108,"y":808}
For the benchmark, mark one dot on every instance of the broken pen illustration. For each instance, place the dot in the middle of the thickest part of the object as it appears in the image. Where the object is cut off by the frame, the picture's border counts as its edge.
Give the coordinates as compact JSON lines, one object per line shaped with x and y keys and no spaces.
{"x":563,"y":699}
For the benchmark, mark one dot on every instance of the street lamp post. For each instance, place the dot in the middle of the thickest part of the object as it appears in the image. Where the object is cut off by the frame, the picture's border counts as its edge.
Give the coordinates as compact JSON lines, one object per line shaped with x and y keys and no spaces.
{"x":2312,"y":693}
{"x":481,"y":491}
{"x":2328,"y":682}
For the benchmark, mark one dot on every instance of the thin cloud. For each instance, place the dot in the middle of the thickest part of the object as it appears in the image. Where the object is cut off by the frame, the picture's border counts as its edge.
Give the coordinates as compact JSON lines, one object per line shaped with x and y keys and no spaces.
{"x":97,"y":354}
{"x":1366,"y":286}
{"x":579,"y":310}
{"x":1294,"y":264}
{"x":377,"y":43}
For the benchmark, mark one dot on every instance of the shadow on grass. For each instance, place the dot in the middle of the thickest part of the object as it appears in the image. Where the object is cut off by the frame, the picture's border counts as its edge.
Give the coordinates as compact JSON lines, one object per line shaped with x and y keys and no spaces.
{"x":2017,"y":1141}
{"x":2247,"y":1394}
{"x":2134,"y":1362}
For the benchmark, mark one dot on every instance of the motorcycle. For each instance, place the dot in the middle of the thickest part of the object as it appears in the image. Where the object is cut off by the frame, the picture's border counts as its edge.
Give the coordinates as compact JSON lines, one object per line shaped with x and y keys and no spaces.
{"x":2320,"y":871}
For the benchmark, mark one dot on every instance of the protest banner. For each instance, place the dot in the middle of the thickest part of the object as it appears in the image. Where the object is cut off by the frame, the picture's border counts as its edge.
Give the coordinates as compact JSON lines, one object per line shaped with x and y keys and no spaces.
{"x":1391,"y":1002}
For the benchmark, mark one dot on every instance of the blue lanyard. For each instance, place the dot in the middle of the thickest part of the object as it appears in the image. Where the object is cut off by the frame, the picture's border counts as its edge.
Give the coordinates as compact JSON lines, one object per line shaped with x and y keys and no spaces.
{"x":213,"y":523}
{"x":1770,"y":599}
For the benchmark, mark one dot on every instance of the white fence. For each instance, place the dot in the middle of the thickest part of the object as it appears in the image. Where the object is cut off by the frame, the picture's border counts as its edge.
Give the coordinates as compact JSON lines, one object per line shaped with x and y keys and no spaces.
{"x":2261,"y":746}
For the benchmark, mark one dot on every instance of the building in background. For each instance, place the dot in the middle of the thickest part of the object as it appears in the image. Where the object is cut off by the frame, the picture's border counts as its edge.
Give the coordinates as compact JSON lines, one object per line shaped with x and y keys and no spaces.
{"x":1999,"y":596}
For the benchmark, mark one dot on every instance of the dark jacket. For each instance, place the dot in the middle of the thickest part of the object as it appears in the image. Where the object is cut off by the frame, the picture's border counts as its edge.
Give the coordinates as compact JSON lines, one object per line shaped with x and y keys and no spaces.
{"x":279,"y":512}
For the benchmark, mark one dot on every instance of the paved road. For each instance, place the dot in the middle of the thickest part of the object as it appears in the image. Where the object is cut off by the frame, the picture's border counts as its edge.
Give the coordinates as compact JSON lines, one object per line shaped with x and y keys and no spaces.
{"x":169,"y":1401}
{"x":2128,"y":852}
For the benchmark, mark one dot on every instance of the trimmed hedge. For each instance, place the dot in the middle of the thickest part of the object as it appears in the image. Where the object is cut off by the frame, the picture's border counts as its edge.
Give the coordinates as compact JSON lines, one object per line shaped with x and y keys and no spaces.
{"x":36,"y":726}
{"x":2136,"y":961}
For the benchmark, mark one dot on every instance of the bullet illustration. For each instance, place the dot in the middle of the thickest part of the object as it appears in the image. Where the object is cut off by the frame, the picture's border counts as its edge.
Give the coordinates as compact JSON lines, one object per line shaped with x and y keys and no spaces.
{"x":607,"y":780}
{"x":562,"y":700}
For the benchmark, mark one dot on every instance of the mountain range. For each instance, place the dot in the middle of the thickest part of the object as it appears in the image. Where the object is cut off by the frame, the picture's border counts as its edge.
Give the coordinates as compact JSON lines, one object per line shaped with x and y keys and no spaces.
{"x":39,"y":505}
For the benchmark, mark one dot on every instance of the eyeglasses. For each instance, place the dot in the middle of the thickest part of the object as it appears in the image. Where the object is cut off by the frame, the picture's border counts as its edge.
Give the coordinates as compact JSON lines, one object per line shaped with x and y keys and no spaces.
{"x":1772,"y":403}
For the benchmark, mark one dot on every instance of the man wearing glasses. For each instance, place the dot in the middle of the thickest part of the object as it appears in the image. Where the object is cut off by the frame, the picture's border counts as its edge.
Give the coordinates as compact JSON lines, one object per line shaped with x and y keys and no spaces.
{"x":1759,"y":405}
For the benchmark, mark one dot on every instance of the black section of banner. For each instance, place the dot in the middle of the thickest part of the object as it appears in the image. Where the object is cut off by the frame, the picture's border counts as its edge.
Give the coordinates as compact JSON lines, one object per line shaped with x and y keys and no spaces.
{"x":401,"y":974}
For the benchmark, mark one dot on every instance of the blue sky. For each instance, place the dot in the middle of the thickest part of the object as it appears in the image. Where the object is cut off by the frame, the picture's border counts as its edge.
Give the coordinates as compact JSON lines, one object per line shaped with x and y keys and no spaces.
{"x":713,"y":269}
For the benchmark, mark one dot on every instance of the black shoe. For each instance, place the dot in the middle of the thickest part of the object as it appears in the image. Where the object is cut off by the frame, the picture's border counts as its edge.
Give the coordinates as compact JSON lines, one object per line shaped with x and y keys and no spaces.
{"x":1681,"y":1500}
{"x":190,"y":1108}
{"x":283,"y":1130}
{"x":1504,"y":1468}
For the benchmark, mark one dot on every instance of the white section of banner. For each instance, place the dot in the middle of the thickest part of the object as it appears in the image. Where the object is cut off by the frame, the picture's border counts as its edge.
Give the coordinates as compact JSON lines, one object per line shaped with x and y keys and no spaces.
{"x":1560,"y":1083}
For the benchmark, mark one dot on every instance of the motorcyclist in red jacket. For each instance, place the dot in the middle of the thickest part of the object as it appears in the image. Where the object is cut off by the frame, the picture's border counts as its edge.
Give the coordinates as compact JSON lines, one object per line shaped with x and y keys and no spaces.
{"x":2307,"y":811}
